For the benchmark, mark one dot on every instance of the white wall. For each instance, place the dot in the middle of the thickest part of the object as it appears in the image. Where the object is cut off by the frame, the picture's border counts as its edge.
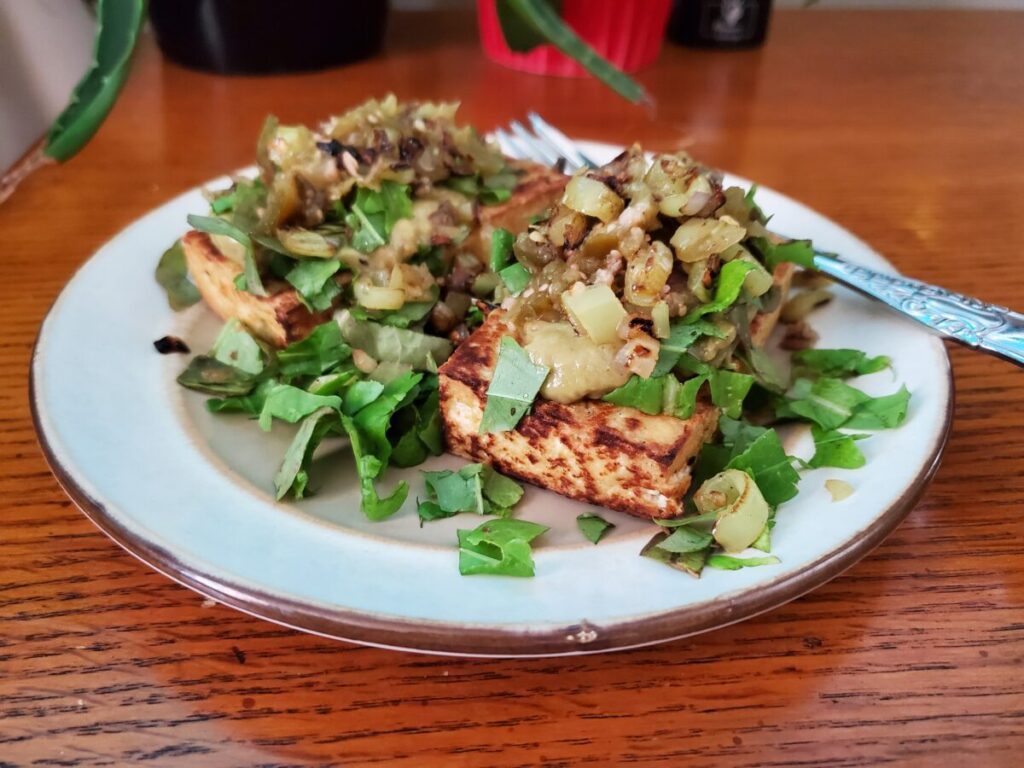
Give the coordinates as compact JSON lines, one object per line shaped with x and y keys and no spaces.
{"x":45,"y":48}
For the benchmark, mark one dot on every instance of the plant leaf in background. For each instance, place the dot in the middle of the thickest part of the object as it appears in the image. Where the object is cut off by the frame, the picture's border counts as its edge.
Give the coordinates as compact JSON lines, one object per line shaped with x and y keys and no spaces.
{"x":529,"y":23}
{"x":117,"y":30}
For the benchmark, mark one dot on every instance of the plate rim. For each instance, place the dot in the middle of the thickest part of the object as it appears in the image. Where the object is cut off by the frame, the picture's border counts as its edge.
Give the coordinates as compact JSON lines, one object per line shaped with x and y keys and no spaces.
{"x":489,"y":641}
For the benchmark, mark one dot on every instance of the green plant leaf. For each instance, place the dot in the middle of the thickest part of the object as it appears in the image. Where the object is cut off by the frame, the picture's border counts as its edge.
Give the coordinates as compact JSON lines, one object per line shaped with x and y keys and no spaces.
{"x":118,"y":24}
{"x":538,"y":22}
{"x":213,"y":225}
{"x":513,"y":387}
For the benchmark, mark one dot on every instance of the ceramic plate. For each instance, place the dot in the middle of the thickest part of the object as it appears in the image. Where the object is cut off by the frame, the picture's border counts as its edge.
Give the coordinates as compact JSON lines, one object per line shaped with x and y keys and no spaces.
{"x":191,"y":494}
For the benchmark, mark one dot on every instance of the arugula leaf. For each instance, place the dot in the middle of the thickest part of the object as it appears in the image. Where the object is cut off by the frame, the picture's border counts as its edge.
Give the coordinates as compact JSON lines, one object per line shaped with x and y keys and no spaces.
{"x":797,"y":251}
{"x":643,"y":394}
{"x":593,"y":526}
{"x":474,"y":488}
{"x":835,"y":449}
{"x":250,"y":404}
{"x":369,"y":467}
{"x":753,"y":209}
{"x":515,"y":277}
{"x":318,"y":353}
{"x":882,"y":412}
{"x":213,"y":225}
{"x":766,"y":462}
{"x":729,"y":389}
{"x":689,"y":562}
{"x":293,"y":472}
{"x":235,"y":347}
{"x":837,"y":363}
{"x":428,"y":429}
{"x":244,"y":195}
{"x":312,"y":279}
{"x":172,"y":276}
{"x":498,"y":548}
{"x":766,"y":372}
{"x":209,"y":375}
{"x":394,"y":345}
{"x":676,"y":522}
{"x":727,"y":290}
{"x":501,"y":248}
{"x":513,"y":388}
{"x":729,"y":563}
{"x":681,"y":337}
{"x":290,"y":404}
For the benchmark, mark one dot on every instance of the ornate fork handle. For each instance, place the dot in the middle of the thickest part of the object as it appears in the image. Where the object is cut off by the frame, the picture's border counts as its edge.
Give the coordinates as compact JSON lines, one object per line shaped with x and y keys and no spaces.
{"x":987,"y":327}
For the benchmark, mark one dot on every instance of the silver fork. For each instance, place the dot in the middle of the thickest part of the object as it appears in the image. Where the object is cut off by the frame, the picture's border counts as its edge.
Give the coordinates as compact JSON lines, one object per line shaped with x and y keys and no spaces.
{"x":974,"y":323}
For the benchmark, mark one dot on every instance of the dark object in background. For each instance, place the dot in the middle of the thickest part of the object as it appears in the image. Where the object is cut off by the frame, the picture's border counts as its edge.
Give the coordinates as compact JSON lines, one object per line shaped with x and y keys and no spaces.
{"x":266,"y":36}
{"x":719,"y":23}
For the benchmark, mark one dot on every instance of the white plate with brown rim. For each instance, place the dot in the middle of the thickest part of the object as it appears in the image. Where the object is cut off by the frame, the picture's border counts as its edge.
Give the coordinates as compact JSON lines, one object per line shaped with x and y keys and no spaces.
{"x":191,"y":493}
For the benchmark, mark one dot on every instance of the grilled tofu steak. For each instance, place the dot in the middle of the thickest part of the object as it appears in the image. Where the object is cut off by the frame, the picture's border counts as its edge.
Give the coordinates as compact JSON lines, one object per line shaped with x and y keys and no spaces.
{"x":593,"y":451}
{"x":281,"y":317}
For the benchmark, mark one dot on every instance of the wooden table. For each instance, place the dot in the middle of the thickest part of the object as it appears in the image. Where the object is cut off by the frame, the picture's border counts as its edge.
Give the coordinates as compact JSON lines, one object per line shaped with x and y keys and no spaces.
{"x":908,"y":128}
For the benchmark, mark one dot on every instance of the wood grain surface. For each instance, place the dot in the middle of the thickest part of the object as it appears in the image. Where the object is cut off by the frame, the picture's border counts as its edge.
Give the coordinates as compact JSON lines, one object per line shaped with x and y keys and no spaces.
{"x":906,"y":127}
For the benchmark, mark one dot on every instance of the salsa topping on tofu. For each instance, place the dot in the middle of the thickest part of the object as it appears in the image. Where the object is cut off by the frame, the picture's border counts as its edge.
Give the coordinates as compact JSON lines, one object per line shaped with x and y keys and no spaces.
{"x":390,"y":278}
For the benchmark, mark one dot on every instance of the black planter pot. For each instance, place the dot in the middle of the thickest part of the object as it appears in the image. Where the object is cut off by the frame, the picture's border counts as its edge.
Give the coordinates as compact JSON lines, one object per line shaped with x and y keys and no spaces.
{"x":267,"y":36}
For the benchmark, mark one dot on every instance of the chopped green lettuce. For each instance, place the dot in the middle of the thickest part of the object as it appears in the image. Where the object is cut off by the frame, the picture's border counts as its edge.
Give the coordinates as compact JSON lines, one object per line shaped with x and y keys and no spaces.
{"x":681,"y":337}
{"x":311,"y":278}
{"x":374,"y":213}
{"x":235,"y":347}
{"x":593,"y":527}
{"x":291,"y":404}
{"x":369,"y":467}
{"x":837,"y":363}
{"x":882,"y":412}
{"x":395,"y":345}
{"x":689,"y":562}
{"x":513,"y":388}
{"x":727,"y":290}
{"x":293,"y":474}
{"x":213,"y":225}
{"x":729,"y":389}
{"x":730,"y":563}
{"x":475,"y":488}
{"x":643,"y":394}
{"x":765,"y":460}
{"x":686,"y":539}
{"x":172,"y":276}
{"x":318,"y":353}
{"x":360,"y":394}
{"x":797,"y":251}
{"x":209,"y":375}
{"x":250,"y":404}
{"x":498,"y":548}
{"x":835,"y":449}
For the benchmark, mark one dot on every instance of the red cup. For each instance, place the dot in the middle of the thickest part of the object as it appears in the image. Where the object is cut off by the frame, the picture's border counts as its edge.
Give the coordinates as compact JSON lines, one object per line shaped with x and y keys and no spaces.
{"x":626,"y":32}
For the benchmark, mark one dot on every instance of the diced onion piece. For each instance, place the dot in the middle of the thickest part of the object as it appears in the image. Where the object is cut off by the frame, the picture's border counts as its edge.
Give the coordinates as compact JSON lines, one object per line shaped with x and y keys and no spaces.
{"x":363,"y":361}
{"x":647,"y":273}
{"x":374,"y":297}
{"x":229,"y":247}
{"x":599,"y":243}
{"x":639,"y":355}
{"x":798,"y":307}
{"x":302,"y":242}
{"x":838,"y":489}
{"x":397,"y":279}
{"x":695,"y":280}
{"x":594,"y":310}
{"x":699,"y":239}
{"x":741,"y":510}
{"x":660,"y":318}
{"x":593,"y":198}
{"x":567,"y":228}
